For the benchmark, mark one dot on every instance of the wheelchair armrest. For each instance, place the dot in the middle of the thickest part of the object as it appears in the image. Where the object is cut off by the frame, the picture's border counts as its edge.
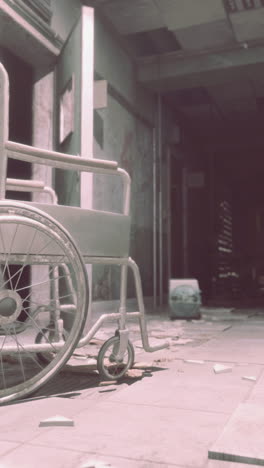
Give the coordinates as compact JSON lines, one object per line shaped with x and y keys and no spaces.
{"x":74,"y":163}
{"x":23,"y":185}
{"x":56,"y":159}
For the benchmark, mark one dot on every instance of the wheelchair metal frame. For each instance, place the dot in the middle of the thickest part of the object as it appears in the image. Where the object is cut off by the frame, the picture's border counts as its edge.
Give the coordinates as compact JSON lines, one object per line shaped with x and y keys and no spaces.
{"x":9,"y":149}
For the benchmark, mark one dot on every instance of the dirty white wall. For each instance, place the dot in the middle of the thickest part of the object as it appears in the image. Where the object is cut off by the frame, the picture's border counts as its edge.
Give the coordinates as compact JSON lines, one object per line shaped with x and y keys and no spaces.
{"x":65,"y":15}
{"x":123,"y":131}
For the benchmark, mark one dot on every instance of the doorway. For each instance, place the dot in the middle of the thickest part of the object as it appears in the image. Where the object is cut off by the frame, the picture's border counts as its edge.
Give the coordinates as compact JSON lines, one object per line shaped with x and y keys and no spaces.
{"x":20,"y":114}
{"x":20,"y":130}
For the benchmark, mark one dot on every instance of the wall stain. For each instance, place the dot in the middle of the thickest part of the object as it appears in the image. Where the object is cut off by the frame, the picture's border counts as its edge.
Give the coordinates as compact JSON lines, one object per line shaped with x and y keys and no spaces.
{"x":125,"y":156}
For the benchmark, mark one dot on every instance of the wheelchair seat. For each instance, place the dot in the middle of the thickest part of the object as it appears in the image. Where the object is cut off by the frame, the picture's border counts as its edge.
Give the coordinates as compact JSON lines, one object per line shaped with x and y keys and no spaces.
{"x":96,"y":233}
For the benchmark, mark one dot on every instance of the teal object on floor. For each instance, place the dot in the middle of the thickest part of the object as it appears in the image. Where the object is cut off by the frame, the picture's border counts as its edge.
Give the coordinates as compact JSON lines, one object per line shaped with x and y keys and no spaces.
{"x":184,"y":299}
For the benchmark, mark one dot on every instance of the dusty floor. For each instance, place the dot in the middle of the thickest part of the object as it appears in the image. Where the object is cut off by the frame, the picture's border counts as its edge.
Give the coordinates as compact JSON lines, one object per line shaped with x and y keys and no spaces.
{"x":172,"y":409}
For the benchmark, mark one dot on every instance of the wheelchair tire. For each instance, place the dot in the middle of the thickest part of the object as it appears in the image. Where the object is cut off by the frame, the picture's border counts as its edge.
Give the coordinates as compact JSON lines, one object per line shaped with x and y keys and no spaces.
{"x":32,"y":246}
{"x":108,"y":367}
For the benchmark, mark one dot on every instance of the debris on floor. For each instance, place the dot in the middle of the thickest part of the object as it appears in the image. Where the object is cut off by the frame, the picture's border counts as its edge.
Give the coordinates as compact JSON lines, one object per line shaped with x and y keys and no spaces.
{"x":142,"y":365}
{"x":194,"y":361}
{"x":153,"y":342}
{"x":249,"y":377}
{"x":79,"y":355}
{"x":106,"y":383}
{"x":134,"y":373}
{"x":95,"y":464}
{"x":160,"y":360}
{"x":174,"y":333}
{"x":107,"y":389}
{"x":220,"y":368}
{"x":112,"y":388}
{"x":96,"y":341}
{"x":138,"y":344}
{"x":56,"y":421}
{"x":182,"y":341}
{"x":80,"y":365}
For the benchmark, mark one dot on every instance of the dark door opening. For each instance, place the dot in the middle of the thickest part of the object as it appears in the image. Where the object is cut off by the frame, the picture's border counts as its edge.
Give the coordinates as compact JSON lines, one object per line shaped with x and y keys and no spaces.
{"x":20,"y":130}
{"x":217,"y":207}
{"x":20,"y":114}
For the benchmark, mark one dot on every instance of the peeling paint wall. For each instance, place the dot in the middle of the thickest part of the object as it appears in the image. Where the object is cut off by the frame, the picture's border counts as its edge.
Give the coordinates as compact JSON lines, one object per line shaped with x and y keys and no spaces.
{"x":65,"y":14}
{"x":124,"y":132}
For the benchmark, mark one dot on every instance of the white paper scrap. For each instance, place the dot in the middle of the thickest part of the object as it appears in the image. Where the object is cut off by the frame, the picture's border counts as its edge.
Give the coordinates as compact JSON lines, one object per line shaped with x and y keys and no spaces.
{"x":220,"y":368}
{"x":95,"y":464}
{"x":193,"y":361}
{"x":56,"y":421}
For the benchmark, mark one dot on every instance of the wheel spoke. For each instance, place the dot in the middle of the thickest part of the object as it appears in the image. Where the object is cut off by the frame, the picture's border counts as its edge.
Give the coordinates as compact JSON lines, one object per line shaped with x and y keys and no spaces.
{"x":6,"y":267}
{"x":31,"y":299}
{"x":26,"y":259}
{"x":27,"y":353}
{"x":2,"y":364}
{"x":38,"y":328}
{"x":14,"y":336}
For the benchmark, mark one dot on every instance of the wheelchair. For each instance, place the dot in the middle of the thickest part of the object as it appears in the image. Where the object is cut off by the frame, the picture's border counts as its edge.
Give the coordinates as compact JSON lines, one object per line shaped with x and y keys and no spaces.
{"x":44,"y":293}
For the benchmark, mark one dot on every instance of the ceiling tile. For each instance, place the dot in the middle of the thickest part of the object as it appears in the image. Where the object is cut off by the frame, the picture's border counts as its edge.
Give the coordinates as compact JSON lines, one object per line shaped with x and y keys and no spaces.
{"x":130,"y":17}
{"x":205,"y":36}
{"x":154,"y":42}
{"x":248,"y":25}
{"x":180,"y":14}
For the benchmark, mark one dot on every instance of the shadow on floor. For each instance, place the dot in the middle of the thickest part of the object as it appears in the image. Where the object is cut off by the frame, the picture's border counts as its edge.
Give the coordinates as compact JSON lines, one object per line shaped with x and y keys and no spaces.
{"x":71,"y":385}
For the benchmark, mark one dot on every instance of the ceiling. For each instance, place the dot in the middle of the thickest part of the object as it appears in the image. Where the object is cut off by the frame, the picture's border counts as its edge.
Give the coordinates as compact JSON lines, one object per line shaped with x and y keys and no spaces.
{"x":19,"y":36}
{"x":207,"y":58}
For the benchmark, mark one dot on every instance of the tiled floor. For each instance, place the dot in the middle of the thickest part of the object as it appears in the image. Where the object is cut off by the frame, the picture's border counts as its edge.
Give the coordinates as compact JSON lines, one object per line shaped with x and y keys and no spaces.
{"x":171,"y":417}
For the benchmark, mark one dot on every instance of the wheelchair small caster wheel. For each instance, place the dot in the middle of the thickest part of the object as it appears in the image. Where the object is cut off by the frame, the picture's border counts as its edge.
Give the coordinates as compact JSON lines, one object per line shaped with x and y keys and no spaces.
{"x":109,"y":367}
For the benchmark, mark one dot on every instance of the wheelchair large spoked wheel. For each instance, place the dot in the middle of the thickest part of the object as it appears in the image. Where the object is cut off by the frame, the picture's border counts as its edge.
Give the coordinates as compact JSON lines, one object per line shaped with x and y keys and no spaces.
{"x":43,"y":290}
{"x":109,"y":367}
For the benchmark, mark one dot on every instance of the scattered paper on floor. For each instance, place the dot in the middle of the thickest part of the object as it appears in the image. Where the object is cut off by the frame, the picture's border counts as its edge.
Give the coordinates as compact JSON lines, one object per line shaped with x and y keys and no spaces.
{"x":56,"y":421}
{"x":220,"y":368}
{"x":194,"y":361}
